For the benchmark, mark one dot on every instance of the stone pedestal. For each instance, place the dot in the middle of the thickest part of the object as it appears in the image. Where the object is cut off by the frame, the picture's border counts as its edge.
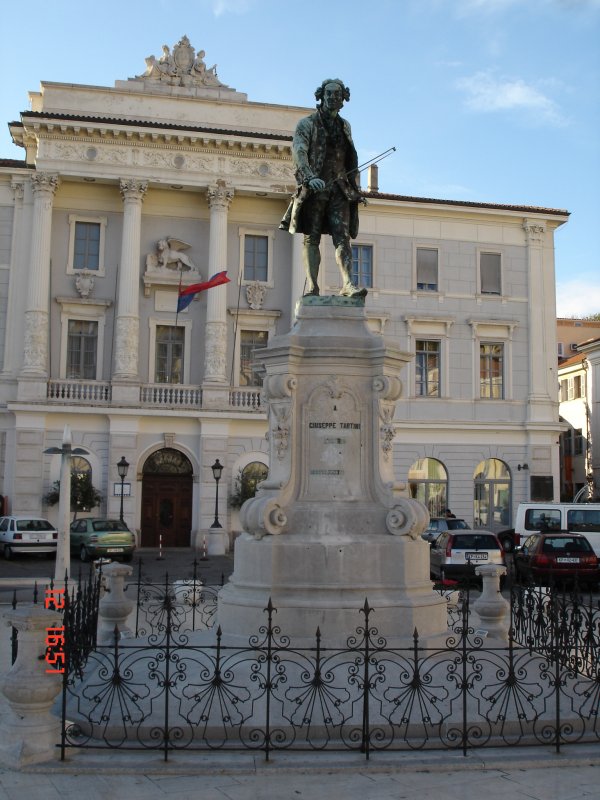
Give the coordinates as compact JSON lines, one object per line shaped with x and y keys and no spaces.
{"x":217,"y":542}
{"x":30,"y":733}
{"x":330,"y":527}
{"x":493,"y":610}
{"x":114,"y":606}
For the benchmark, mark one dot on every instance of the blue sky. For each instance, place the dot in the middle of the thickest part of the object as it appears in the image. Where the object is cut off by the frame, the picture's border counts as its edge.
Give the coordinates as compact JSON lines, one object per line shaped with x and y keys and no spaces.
{"x":485,"y":100}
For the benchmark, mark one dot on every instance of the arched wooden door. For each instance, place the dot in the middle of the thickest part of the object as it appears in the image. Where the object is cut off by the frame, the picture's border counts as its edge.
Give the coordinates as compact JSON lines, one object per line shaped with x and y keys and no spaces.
{"x":167,"y":499}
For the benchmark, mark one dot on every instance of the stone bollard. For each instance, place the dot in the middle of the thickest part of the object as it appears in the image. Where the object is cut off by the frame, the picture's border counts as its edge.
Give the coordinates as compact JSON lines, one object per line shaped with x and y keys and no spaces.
{"x":30,"y":734}
{"x":491,"y":607}
{"x":114,"y":607}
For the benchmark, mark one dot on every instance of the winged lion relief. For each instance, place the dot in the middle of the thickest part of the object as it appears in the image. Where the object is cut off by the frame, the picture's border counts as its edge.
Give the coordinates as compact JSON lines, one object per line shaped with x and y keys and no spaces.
{"x":170,"y":255}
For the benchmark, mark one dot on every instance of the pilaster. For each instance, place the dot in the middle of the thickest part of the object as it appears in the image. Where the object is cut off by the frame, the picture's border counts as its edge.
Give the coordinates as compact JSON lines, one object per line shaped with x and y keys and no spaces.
{"x":8,"y":361}
{"x":542,"y":337}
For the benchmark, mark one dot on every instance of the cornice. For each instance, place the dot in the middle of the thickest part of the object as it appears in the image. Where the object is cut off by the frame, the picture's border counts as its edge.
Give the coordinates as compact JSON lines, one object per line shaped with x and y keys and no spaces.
{"x":142,"y":134}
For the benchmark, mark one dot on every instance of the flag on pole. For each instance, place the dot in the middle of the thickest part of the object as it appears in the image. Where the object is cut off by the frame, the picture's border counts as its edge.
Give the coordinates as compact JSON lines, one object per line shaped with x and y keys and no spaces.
{"x":187,"y":295}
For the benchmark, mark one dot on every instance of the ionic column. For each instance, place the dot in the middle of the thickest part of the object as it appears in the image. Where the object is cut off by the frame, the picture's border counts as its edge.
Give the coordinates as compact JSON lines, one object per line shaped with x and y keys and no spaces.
{"x":127,"y":331}
{"x":215,"y":353}
{"x":35,"y":357}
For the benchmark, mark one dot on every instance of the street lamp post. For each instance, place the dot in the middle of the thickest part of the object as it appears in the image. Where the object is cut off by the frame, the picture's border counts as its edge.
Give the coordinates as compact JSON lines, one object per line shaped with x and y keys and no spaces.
{"x":217,"y":469}
{"x":63,"y":551}
{"x":122,"y":468}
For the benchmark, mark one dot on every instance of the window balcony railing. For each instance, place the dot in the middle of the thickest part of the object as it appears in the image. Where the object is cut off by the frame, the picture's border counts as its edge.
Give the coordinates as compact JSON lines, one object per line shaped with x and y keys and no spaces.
{"x":244,"y":399}
{"x":75,"y":391}
{"x":169,"y":395}
{"x":152,"y":395}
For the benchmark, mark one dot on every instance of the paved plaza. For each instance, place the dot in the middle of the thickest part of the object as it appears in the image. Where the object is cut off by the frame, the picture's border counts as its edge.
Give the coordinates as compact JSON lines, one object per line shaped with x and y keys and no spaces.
{"x":505,"y":774}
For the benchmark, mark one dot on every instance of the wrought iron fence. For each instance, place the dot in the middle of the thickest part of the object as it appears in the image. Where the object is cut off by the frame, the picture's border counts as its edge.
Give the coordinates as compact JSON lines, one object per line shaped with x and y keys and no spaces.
{"x":189,"y":604}
{"x":558,"y":624}
{"x":175,"y":689}
{"x":78,"y":606}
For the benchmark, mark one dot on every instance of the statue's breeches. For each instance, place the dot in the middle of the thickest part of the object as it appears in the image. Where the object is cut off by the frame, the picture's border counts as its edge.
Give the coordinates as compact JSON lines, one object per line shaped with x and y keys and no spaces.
{"x":327,"y":212}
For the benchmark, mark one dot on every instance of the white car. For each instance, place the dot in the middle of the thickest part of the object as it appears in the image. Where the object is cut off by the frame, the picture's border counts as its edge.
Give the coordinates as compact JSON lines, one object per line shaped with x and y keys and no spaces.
{"x":455,"y":554}
{"x":27,"y":535}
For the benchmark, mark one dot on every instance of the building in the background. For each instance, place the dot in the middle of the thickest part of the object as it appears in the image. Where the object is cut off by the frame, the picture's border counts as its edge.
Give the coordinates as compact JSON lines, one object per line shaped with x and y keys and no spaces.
{"x":127,"y":193}
{"x":591,"y":351}
{"x":575,"y":440}
{"x":572,"y":332}
{"x":579,"y":381}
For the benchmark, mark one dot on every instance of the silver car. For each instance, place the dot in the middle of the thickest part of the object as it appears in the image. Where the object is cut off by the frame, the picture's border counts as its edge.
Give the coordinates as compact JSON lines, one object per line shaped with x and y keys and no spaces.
{"x":439,"y":524}
{"x":455,"y":554}
{"x":27,"y":535}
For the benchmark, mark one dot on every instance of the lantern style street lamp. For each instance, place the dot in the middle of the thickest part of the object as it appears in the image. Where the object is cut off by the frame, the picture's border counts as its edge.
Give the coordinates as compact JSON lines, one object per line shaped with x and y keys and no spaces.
{"x":217,"y":469}
{"x":122,"y":468}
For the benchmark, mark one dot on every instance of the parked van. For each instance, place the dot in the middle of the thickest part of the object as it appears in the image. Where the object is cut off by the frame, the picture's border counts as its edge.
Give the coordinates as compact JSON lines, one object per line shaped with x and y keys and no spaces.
{"x":547,"y":517}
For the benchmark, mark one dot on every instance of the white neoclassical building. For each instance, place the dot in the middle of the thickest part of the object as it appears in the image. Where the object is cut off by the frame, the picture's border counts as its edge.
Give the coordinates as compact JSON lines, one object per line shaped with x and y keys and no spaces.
{"x":127,"y":194}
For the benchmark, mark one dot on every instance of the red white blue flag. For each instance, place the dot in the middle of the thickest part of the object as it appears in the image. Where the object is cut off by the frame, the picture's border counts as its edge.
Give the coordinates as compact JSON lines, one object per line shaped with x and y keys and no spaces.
{"x":187,"y":295}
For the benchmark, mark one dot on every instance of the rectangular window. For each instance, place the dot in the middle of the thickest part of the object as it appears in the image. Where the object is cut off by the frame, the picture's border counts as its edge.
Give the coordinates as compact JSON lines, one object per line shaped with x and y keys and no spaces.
{"x":567,"y":443}
{"x":362,"y":265}
{"x":427,"y":269}
{"x":250,"y":341}
{"x":86,"y":251}
{"x":256,"y":258}
{"x":564,"y":391}
{"x":491,"y":370}
{"x":427,"y":368}
{"x":489,"y":272}
{"x":542,"y":519}
{"x":169,"y":354}
{"x":578,"y":442}
{"x":82,"y":349}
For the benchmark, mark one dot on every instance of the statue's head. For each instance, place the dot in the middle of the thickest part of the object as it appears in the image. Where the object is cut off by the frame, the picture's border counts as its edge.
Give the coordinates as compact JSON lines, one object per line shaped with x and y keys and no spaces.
{"x":332,"y":86}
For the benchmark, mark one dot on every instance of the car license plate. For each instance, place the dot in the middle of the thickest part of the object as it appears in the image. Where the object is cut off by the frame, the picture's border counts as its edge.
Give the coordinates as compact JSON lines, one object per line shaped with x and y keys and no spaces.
{"x":476,"y":556}
{"x":114,"y":549}
{"x":567,"y":561}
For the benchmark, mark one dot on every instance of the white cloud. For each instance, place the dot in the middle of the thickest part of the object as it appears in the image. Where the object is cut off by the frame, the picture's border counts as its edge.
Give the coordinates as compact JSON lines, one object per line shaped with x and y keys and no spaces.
{"x":486,"y":93}
{"x":577,"y":297}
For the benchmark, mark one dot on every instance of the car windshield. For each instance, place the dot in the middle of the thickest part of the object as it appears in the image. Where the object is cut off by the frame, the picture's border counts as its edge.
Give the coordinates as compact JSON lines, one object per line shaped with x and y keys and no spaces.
{"x":457,"y":525}
{"x":109,"y":525}
{"x":562,"y":545}
{"x":33,"y":525}
{"x":475,"y":541}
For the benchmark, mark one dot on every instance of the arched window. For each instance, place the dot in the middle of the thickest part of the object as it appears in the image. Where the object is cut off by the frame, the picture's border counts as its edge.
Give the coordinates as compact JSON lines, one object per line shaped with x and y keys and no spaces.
{"x":491,"y":495}
{"x":80,"y":466}
{"x":428,"y":482}
{"x":247,"y":482}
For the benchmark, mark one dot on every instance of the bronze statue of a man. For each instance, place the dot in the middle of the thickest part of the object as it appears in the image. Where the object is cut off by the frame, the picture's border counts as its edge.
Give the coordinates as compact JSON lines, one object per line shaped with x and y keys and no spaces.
{"x":327,"y":197}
